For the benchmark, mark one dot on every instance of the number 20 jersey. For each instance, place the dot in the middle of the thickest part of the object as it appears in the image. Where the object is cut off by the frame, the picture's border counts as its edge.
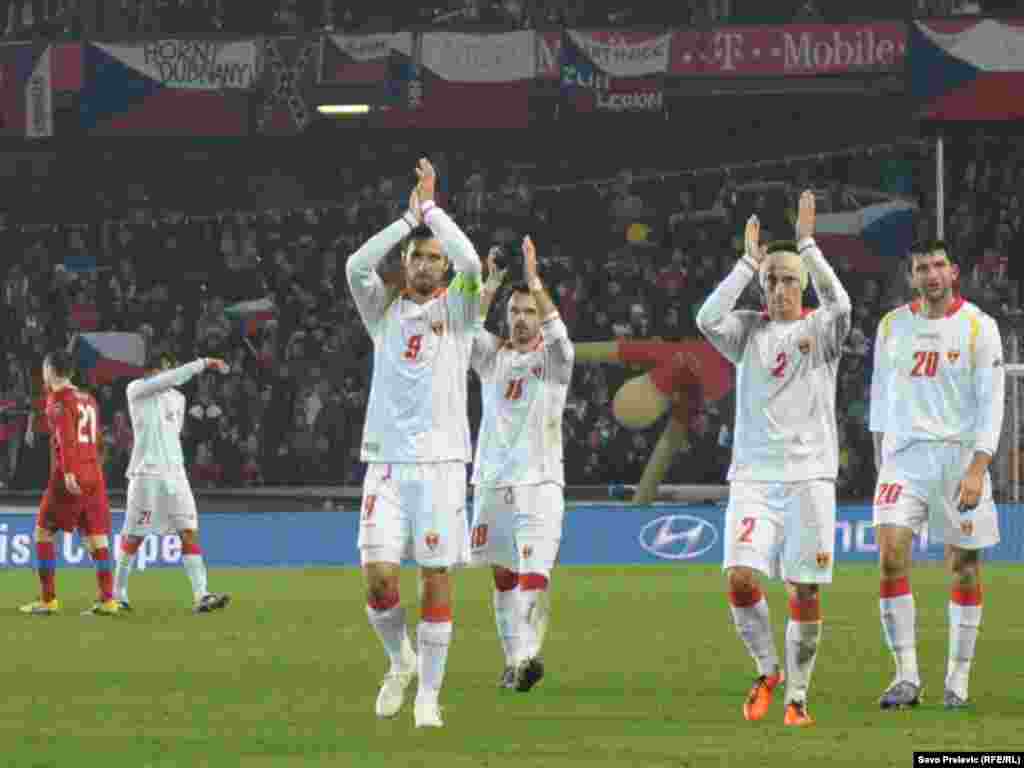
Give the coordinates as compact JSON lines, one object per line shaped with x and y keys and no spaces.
{"x":938,"y":379}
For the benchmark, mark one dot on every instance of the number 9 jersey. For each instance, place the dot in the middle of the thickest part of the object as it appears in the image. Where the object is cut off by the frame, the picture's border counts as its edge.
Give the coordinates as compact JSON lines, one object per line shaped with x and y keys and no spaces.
{"x":938,"y":379}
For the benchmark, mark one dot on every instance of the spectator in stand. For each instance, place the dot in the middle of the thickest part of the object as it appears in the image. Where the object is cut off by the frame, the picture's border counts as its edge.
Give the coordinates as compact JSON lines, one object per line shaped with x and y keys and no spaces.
{"x":205,"y":472}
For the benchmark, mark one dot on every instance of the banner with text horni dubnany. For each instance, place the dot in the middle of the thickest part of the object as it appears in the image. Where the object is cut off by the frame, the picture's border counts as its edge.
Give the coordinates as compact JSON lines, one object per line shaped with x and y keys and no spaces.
{"x":460,"y":80}
{"x":169,"y":87}
{"x":614,"y":71}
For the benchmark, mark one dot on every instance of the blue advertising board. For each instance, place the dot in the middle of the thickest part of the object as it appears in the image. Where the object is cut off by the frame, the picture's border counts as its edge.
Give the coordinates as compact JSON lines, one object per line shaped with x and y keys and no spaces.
{"x":598,"y":534}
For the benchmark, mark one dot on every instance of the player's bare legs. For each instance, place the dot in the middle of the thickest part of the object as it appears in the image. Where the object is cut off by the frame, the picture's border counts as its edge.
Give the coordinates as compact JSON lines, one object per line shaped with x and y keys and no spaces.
{"x":387,"y":617}
{"x":964,"y":621}
{"x":506,"y":616}
{"x":46,"y":565}
{"x":803,"y":633}
{"x":898,"y":614}
{"x":753,"y":624}
{"x":433,"y":636}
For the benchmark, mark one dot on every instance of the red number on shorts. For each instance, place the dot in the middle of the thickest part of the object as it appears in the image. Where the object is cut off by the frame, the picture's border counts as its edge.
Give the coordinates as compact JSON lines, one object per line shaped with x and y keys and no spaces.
{"x":145,"y":516}
{"x":514,"y":391}
{"x":478,"y":538}
{"x":925,"y":364}
{"x":412,"y":350}
{"x":747,"y":524}
{"x":780,"y":366}
{"x":371,"y":502}
{"x":888,"y":493}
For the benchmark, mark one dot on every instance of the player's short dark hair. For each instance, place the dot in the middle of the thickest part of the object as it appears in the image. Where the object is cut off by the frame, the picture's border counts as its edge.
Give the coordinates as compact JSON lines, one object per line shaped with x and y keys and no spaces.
{"x":61,"y":362}
{"x":160,"y":360}
{"x":922,"y":247}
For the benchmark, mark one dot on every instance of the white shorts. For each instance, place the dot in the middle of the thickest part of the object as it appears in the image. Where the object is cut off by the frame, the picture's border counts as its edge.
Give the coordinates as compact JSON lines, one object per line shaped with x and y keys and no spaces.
{"x":782,"y":529}
{"x":415,"y":512}
{"x":918,"y":486}
{"x":157,"y":505}
{"x":518,"y":528}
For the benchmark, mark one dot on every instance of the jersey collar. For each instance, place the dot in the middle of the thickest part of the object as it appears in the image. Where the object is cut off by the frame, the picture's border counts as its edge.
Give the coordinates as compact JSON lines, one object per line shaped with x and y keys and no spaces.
{"x":915,"y":306}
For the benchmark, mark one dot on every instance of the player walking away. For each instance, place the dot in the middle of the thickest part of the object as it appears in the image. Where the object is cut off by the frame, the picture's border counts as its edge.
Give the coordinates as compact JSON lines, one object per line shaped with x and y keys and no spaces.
{"x":159,"y":498}
{"x":76,"y":494}
{"x":785,"y":455}
{"x":936,"y":414}
{"x":416,"y":436}
{"x":518,"y":472}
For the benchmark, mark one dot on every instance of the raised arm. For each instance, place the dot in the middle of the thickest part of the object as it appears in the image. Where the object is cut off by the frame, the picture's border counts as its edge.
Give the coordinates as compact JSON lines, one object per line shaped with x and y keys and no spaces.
{"x":726,"y":329}
{"x":368,"y":289}
{"x":495,"y":277}
{"x":554,"y":333}
{"x":459,"y":249}
{"x":175,"y":377}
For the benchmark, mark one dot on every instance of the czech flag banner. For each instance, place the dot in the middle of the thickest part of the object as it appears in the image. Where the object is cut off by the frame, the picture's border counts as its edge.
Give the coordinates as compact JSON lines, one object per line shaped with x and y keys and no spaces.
{"x":871,"y":237}
{"x":968,"y":69}
{"x":250,"y":316}
{"x":105,"y":357}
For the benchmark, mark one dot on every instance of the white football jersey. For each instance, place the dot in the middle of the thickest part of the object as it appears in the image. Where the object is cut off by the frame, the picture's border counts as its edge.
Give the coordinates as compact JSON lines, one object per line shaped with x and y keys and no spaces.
{"x":938,"y":379}
{"x":786,"y":376}
{"x":418,"y":400}
{"x":157,"y":412}
{"x":524,"y":394}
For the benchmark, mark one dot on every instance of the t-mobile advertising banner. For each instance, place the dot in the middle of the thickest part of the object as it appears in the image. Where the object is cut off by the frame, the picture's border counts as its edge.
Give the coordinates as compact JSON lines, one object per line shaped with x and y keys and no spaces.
{"x":593,"y":535}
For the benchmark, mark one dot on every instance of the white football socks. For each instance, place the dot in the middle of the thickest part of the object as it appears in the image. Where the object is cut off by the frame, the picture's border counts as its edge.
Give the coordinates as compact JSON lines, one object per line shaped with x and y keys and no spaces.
{"x":390,"y":628}
{"x":123,"y":569}
{"x":964,"y":621}
{"x":898,"y":624}
{"x":802,"y":638}
{"x":507,"y":619}
{"x":754,"y":626}
{"x":196,"y":570}
{"x":433,"y":638}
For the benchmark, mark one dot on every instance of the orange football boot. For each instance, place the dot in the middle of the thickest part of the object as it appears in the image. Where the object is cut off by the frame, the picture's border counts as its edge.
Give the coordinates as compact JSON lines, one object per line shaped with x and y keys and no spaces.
{"x":796,"y":714}
{"x":760,"y":696}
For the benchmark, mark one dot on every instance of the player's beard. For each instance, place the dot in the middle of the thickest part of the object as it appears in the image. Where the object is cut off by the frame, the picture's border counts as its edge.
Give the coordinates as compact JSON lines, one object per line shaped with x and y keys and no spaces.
{"x":522,"y":334}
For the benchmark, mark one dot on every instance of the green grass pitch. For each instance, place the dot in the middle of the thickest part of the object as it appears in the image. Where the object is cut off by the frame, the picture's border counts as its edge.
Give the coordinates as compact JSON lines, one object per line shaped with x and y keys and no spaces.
{"x":643,"y":669}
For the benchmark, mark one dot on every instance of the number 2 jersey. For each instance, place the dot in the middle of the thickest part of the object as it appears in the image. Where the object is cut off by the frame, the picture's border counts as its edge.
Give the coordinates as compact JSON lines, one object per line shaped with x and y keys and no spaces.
{"x":786,"y":376}
{"x":524,"y":393}
{"x":417,"y":411}
{"x":938,"y":379}
{"x":73,"y":418}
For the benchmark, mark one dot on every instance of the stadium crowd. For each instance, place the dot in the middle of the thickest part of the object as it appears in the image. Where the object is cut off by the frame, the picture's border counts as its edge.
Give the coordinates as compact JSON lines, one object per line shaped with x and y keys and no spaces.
{"x":73,"y":19}
{"x":291,"y":411}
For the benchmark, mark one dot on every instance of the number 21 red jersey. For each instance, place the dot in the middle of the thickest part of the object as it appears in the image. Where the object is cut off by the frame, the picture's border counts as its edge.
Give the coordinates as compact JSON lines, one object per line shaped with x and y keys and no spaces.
{"x":74,"y":433}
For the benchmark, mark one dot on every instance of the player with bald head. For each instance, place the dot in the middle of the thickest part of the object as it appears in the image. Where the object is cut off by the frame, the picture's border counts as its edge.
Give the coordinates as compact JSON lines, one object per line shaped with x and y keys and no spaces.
{"x":782,"y":501}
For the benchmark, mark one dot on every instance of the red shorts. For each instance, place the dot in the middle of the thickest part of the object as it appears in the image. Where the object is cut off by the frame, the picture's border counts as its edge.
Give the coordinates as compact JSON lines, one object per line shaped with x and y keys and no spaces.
{"x":88,"y":513}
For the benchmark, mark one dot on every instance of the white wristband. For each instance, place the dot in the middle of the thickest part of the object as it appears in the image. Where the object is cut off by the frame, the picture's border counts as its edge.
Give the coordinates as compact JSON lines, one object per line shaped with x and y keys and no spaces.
{"x":746,"y":259}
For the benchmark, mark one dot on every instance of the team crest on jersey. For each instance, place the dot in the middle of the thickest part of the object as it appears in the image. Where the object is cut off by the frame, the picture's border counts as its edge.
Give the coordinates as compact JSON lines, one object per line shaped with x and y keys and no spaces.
{"x":437,"y":328}
{"x":432,"y":540}
{"x":953,"y":356}
{"x":823,"y":559}
{"x":966,"y":527}
{"x":538,"y":371}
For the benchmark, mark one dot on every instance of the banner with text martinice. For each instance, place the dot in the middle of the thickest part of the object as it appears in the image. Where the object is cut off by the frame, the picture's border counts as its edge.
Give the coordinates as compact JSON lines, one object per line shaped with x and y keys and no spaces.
{"x":790,"y":50}
{"x":468,"y":81}
{"x":614,"y":71}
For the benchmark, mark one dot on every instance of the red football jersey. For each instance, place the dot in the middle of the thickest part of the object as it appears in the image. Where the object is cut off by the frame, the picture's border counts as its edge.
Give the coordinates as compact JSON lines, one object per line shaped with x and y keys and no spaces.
{"x":73,"y":417}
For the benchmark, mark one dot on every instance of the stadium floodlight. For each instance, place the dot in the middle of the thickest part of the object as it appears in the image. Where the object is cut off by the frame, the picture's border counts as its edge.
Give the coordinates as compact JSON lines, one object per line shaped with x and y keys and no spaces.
{"x":343,"y":109}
